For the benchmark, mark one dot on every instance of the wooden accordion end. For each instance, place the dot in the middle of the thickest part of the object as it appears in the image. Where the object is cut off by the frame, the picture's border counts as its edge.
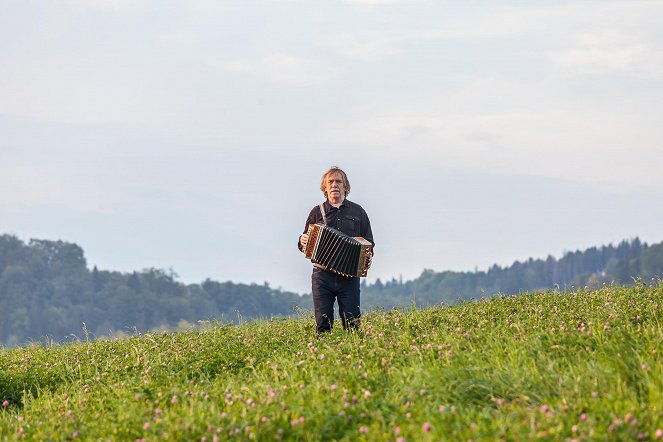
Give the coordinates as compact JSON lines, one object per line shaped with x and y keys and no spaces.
{"x":338,"y":252}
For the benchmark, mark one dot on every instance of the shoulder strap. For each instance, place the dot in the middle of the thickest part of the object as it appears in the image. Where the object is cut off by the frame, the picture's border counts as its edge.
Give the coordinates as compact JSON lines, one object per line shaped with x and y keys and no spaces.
{"x":322,"y":211}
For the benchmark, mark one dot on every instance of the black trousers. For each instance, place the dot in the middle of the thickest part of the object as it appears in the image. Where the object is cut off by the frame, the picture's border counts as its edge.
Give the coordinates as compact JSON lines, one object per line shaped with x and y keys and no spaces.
{"x":327,"y":287}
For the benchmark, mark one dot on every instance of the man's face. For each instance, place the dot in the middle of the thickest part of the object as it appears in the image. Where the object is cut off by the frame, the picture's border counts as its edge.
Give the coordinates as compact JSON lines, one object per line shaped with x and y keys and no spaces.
{"x":334,"y":186}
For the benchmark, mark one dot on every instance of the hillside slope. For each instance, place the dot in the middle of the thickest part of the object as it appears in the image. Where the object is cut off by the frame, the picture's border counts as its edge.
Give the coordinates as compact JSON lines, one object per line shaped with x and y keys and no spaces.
{"x":555,"y":366}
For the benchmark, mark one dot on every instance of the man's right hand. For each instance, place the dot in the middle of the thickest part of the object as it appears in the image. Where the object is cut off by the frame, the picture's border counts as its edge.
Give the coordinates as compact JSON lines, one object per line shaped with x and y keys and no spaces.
{"x":303,"y":240}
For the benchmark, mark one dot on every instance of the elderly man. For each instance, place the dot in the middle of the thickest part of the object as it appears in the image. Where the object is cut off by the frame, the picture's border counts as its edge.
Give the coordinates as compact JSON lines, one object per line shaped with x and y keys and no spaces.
{"x":351,"y":219}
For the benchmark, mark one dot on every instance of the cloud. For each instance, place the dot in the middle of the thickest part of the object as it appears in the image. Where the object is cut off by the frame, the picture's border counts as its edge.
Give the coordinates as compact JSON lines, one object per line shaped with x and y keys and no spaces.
{"x":607,"y":149}
{"x":607,"y":51}
{"x":282,"y":68}
{"x":371,"y":47}
{"x":379,"y":2}
{"x":113,"y":5}
{"x":549,"y":20}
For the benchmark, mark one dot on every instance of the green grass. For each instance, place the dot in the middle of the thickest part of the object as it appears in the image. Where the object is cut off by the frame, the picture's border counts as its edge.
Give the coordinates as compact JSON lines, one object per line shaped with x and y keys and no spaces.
{"x":582,"y":365}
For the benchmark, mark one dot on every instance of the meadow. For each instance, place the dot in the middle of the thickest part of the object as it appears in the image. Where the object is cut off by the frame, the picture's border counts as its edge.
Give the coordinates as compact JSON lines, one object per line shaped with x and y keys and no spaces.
{"x":557,"y":365}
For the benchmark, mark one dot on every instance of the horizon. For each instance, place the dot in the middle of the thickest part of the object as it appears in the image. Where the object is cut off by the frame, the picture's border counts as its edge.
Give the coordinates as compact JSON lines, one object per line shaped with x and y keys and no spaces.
{"x":193,"y":136}
{"x":173,"y":272}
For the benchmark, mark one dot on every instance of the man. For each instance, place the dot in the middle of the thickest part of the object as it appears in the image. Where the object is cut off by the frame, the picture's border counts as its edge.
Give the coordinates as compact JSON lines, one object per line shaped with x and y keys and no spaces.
{"x":351,"y":219}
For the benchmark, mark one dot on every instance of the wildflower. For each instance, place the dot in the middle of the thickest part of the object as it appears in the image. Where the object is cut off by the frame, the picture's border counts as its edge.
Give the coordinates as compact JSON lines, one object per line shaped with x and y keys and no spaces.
{"x":583,"y":417}
{"x":157,"y":411}
{"x":400,"y":439}
{"x":367,"y":394}
{"x":5,"y":403}
{"x":333,"y":387}
{"x":499,"y":401}
{"x":137,"y":397}
{"x":658,"y":434}
{"x":426,"y":427}
{"x":641,"y":436}
{"x":397,"y":431}
{"x":443,"y":408}
{"x":147,"y":426}
{"x":363,"y":429}
{"x":75,"y":434}
{"x":544,"y":409}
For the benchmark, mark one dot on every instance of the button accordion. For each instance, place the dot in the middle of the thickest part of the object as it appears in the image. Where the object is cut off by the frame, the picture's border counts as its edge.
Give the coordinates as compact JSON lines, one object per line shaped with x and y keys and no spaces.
{"x":335,"y":251}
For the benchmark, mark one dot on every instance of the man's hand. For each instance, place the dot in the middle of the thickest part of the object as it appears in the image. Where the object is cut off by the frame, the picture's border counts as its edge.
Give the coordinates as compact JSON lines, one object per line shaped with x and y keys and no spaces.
{"x":303,"y":240}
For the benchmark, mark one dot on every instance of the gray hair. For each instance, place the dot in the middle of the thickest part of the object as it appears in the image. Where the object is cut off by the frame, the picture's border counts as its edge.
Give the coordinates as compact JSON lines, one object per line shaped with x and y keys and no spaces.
{"x":335,"y":169}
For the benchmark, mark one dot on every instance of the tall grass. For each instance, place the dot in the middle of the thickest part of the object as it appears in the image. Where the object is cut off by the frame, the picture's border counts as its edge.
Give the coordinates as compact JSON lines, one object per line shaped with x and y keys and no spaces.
{"x":581,"y":365}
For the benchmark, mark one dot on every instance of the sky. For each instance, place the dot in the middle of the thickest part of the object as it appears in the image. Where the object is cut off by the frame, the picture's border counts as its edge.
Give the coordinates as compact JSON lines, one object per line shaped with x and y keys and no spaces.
{"x":192,"y":135}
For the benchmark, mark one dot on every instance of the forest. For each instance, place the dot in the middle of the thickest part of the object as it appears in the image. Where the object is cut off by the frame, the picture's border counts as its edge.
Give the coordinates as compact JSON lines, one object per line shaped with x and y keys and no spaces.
{"x":48,"y":293}
{"x":593,"y":267}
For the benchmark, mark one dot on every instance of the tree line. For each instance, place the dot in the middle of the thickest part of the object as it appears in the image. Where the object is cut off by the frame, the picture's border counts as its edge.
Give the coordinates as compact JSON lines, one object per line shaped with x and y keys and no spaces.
{"x":591,"y":268}
{"x":48,"y":292}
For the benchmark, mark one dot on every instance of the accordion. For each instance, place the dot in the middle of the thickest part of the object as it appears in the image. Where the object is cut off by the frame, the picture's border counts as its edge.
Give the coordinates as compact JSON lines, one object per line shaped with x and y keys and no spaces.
{"x":338,"y":252}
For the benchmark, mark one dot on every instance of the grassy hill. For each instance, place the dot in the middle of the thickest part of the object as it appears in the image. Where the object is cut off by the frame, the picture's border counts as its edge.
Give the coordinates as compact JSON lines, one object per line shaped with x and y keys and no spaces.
{"x":582,"y":365}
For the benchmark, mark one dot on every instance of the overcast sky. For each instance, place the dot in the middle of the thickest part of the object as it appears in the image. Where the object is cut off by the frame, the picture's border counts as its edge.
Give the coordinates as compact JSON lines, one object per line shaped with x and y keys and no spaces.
{"x":192,"y":135}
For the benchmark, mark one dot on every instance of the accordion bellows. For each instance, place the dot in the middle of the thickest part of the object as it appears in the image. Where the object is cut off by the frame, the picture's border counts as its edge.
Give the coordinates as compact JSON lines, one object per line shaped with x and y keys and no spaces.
{"x":338,"y":252}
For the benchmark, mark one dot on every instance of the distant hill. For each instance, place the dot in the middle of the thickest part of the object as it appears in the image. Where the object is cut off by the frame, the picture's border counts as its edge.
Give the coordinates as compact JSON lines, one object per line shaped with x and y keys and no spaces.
{"x":48,"y":292}
{"x":592,"y":268}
